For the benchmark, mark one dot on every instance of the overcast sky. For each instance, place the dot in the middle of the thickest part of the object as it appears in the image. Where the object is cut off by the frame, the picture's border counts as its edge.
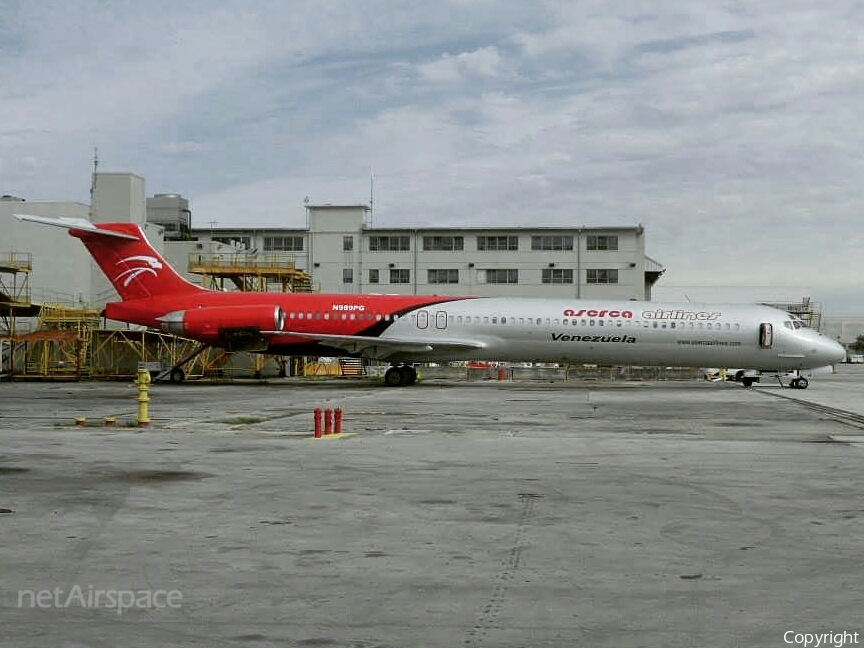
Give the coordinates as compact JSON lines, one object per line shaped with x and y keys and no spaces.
{"x":732,"y":130}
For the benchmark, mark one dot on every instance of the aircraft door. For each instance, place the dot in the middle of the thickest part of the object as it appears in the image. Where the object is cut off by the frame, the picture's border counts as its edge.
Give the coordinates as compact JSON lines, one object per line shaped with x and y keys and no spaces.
{"x":422,"y":319}
{"x":441,"y":320}
{"x":766,"y":336}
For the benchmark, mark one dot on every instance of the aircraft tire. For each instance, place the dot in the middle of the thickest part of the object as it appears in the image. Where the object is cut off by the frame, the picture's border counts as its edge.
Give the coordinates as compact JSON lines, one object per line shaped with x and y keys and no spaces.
{"x":177,"y":375}
{"x":394,"y":377}
{"x":409,"y":374}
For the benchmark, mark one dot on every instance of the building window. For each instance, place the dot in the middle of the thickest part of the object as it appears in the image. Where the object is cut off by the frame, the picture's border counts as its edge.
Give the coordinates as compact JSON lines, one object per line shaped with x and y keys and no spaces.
{"x":497,"y":243}
{"x":502,"y":276}
{"x":443,"y":243}
{"x":601,"y":277}
{"x":347,"y":243}
{"x":602,"y":242}
{"x":557,"y":276}
{"x":347,"y":275}
{"x":443,"y":277}
{"x":283,"y":243}
{"x":389,"y":243}
{"x":373,"y":275}
{"x":551,"y":242}
{"x":400,"y":276}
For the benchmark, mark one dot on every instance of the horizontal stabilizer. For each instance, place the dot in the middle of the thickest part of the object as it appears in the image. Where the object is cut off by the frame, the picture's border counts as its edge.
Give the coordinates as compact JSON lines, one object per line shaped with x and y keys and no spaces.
{"x":77,"y":224}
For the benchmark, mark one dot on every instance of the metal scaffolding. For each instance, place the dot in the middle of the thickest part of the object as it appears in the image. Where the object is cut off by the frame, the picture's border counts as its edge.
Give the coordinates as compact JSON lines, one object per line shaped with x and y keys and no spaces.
{"x":809,"y":311}
{"x":250,"y":273}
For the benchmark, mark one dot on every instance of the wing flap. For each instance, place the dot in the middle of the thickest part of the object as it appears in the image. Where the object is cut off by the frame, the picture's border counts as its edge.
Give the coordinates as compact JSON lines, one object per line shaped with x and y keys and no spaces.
{"x":380,"y":347}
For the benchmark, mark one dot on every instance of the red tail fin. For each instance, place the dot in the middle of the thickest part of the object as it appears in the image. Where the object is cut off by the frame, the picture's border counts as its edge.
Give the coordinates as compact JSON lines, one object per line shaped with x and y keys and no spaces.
{"x":129,"y":261}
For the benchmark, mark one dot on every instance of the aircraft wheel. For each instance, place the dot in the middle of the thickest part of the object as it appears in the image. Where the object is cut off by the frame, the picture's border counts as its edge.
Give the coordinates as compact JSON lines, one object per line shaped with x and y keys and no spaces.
{"x":177,"y":375}
{"x":409,"y":374}
{"x":747,"y":381}
{"x":394,"y":377}
{"x":803,"y":383}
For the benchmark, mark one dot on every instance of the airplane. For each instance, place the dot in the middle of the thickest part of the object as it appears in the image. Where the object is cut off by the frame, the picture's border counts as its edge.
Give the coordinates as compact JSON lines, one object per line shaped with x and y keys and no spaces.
{"x":405,"y":329}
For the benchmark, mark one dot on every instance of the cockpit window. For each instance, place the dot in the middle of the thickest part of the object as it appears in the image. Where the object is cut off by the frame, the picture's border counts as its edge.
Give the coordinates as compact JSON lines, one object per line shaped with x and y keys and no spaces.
{"x":795,"y":323}
{"x":788,"y":325}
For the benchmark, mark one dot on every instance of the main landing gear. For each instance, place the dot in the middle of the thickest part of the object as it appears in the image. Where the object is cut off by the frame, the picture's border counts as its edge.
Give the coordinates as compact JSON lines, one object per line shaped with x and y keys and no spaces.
{"x":400,"y":375}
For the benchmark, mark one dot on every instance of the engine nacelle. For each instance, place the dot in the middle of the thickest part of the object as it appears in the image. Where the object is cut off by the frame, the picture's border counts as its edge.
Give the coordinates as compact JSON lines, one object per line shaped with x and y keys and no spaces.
{"x":221,"y":321}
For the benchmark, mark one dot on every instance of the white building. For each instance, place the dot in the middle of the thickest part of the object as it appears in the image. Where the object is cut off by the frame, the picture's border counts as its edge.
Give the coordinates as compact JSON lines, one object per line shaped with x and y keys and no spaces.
{"x":345,"y":255}
{"x":339,"y":249}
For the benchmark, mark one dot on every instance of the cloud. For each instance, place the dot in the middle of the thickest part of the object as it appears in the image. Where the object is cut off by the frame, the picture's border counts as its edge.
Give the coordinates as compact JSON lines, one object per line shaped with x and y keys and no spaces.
{"x":449,"y":69}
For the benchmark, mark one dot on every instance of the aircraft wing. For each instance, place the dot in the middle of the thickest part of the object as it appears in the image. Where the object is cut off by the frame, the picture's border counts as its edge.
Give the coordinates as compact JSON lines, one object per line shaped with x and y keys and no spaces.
{"x":381,"y":348}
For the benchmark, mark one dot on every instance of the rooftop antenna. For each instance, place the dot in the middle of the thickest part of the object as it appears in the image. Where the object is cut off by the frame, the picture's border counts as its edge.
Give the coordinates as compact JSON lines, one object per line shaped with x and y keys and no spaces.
{"x":371,"y":194}
{"x":93,"y":181}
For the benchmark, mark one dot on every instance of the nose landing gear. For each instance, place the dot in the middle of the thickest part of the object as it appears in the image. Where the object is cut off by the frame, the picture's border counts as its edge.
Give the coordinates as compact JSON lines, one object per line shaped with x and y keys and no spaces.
{"x":799,"y":383}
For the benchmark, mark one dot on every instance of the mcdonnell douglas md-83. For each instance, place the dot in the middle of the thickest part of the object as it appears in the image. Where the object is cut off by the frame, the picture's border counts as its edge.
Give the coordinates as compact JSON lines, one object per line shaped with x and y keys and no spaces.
{"x":402,"y":329}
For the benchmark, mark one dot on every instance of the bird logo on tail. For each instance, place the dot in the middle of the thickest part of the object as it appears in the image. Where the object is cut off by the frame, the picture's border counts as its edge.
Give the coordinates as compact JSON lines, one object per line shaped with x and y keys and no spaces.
{"x":152,"y":265}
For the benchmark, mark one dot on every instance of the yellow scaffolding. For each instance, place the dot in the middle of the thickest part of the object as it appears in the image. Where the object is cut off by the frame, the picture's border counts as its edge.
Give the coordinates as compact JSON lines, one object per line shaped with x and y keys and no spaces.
{"x":15,"y":302}
{"x":250,"y":273}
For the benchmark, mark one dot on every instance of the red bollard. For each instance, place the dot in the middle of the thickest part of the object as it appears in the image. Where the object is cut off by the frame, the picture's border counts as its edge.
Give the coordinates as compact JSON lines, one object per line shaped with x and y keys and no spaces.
{"x":337,"y":421}
{"x":328,"y":421}
{"x":317,"y":422}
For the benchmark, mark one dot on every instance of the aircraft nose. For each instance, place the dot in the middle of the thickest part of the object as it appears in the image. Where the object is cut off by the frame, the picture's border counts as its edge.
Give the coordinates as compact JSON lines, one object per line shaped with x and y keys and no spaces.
{"x":832,"y":352}
{"x":838,"y":352}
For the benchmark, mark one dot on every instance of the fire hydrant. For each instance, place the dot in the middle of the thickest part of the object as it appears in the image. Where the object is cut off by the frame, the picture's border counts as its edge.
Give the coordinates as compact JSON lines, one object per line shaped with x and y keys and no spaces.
{"x":143,"y":383}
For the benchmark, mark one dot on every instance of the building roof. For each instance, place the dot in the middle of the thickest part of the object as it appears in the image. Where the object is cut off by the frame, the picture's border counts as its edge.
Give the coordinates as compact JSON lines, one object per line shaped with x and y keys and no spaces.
{"x":449,"y":230}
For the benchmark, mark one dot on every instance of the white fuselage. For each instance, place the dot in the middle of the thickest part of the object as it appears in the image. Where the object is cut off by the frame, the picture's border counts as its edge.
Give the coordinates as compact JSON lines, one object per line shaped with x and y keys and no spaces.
{"x":628,"y":332}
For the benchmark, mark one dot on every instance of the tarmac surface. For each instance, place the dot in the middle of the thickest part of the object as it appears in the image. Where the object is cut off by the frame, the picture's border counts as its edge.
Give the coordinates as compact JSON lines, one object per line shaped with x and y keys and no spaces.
{"x":668,"y":513}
